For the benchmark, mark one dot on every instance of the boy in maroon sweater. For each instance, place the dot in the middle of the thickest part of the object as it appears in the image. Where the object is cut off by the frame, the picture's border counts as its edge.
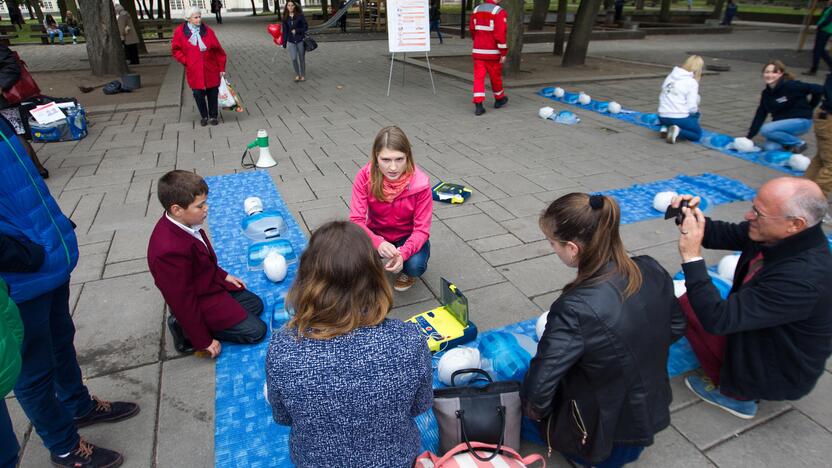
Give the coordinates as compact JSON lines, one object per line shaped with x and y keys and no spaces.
{"x":206,"y":302}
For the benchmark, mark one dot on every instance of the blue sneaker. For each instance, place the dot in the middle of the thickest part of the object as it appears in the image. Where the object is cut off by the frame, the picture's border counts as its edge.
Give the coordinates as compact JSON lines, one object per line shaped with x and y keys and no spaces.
{"x":705,"y":389}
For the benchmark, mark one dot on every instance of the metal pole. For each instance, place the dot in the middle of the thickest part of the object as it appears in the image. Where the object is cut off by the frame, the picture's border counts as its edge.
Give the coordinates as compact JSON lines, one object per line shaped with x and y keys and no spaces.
{"x":390,"y":76}
{"x":430,"y":72}
{"x":462,"y":18}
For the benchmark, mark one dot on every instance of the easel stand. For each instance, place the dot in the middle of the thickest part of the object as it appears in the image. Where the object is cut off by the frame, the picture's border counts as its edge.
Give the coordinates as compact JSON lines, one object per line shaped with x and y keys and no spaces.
{"x":404,"y":69}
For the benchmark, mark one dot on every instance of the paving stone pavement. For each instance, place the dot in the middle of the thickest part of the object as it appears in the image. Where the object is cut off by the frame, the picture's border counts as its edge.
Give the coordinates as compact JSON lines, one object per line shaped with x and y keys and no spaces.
{"x":321,"y":132}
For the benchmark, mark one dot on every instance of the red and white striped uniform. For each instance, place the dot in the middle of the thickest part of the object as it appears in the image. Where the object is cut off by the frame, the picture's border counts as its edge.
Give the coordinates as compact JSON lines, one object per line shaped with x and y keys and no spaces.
{"x":488,"y":31}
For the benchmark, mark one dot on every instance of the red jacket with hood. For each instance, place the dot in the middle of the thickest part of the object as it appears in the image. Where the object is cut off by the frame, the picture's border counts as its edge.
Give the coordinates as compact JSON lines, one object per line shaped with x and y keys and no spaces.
{"x":202,"y":69}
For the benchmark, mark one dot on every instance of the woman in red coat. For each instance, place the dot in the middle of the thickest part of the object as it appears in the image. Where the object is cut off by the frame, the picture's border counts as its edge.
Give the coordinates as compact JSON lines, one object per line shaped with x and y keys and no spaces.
{"x":196,"y":46}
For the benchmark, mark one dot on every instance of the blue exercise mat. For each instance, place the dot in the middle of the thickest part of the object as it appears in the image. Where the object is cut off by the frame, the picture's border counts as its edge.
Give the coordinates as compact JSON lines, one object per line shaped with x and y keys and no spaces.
{"x":713,"y":140}
{"x":636,"y":201}
{"x":245,"y":433}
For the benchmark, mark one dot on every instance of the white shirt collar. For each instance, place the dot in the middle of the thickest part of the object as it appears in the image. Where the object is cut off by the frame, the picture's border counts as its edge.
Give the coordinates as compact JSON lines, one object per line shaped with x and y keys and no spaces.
{"x":192,"y":230}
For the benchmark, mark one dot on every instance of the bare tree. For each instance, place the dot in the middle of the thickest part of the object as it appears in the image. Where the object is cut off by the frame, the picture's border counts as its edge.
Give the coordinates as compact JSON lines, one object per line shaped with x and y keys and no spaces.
{"x":253,"y":9}
{"x":167,"y":9}
{"x":717,"y":13}
{"x":514,"y":35}
{"x":539,"y":11}
{"x":266,"y":6}
{"x":62,"y":9}
{"x":38,"y":10}
{"x":578,"y":44}
{"x":104,"y":47}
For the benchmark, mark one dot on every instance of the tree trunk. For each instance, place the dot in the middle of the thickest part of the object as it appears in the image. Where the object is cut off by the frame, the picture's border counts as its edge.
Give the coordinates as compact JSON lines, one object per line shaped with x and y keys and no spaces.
{"x":104,"y":47}
{"x":130,"y":6}
{"x":514,"y":35}
{"x":664,"y":14}
{"x":38,"y":11}
{"x":560,"y":27}
{"x":167,"y":9}
{"x":266,"y":6}
{"x":578,"y":44}
{"x":62,"y":10}
{"x":539,"y":11}
{"x":325,"y":8}
{"x":639,"y":5}
{"x":30,"y":9}
{"x":718,"y":5}
{"x":148,"y":13}
{"x":253,"y":9}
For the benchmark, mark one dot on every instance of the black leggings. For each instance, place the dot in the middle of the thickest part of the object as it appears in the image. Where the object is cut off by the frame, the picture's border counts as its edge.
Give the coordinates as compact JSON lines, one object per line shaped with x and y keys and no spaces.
{"x":209,"y":110}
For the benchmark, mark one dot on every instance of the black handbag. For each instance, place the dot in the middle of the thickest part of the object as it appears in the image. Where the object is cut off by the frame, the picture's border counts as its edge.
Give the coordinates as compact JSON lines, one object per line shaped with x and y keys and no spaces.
{"x":487,"y":413}
{"x":309,"y":43}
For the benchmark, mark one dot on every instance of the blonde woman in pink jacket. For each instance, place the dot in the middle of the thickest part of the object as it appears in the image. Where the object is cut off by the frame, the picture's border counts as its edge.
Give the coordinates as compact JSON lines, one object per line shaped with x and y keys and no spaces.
{"x":391,"y":201}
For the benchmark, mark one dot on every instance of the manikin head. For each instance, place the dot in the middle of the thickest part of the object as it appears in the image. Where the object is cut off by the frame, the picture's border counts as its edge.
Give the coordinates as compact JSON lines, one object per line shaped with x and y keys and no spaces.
{"x":784,"y":207}
{"x":184,"y":195}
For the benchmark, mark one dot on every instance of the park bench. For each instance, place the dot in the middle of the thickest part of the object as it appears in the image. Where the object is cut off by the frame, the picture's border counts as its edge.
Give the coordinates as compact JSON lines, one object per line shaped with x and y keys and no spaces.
{"x":38,"y":28}
{"x":162,"y":27}
{"x":7,"y":33}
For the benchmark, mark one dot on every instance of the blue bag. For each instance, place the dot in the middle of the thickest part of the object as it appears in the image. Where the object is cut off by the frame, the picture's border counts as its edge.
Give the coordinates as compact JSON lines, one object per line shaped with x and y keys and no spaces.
{"x":74,"y":127}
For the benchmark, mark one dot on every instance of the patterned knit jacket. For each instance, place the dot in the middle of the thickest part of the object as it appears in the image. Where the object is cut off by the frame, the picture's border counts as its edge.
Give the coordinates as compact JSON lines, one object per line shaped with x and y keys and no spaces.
{"x":351,"y":400}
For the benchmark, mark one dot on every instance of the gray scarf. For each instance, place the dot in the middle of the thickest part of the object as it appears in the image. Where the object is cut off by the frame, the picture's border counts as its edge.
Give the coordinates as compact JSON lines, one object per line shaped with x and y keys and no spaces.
{"x":196,"y":39}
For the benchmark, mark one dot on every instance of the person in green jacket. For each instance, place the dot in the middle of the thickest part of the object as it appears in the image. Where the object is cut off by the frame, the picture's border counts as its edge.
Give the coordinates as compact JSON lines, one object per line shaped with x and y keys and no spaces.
{"x":824,"y":31}
{"x":11,"y":337}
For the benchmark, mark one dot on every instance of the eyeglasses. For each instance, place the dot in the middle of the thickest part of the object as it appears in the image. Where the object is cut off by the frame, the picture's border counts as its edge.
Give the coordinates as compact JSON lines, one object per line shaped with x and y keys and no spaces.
{"x":755,"y":214}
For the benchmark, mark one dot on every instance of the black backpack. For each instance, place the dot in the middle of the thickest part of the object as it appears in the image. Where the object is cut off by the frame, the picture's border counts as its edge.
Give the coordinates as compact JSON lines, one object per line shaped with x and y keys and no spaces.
{"x":115,"y":87}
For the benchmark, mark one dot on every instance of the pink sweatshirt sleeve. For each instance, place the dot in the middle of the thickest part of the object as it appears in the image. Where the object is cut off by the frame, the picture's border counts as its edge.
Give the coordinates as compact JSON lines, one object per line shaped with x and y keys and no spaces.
{"x":422,"y":216}
{"x":359,"y":203}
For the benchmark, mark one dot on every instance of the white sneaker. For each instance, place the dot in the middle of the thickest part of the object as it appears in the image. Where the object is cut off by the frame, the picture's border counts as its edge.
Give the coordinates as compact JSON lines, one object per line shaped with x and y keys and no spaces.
{"x":672,"y":133}
{"x":663,"y":131}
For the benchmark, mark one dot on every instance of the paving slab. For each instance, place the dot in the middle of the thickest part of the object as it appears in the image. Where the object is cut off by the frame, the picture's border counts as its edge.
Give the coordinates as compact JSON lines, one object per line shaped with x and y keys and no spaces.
{"x":111,"y":305}
{"x":671,"y":450}
{"x":789,"y":440}
{"x":474,"y":227}
{"x":706,"y":425}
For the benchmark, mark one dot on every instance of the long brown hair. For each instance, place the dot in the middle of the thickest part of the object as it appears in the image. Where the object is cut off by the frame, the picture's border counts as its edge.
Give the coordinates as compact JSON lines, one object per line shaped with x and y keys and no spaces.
{"x":393,"y":139}
{"x":779,"y":67}
{"x":298,"y":9}
{"x":341,"y":284}
{"x":594,"y":228}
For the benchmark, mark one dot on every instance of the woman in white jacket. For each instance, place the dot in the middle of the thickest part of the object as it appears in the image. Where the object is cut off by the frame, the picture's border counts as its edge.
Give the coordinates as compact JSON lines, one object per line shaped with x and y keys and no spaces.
{"x":679,"y":101}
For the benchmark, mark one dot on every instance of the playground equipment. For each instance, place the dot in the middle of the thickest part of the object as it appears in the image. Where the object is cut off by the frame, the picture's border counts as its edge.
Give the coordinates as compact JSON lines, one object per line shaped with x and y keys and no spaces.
{"x":373,"y":15}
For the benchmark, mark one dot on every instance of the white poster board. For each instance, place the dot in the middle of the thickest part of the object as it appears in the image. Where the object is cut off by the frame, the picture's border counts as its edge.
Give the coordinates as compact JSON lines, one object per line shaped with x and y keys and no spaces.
{"x":408,"y":26}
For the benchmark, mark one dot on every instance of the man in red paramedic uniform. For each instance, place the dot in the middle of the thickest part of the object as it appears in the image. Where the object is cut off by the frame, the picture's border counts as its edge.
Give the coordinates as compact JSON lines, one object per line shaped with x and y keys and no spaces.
{"x":488,"y":30}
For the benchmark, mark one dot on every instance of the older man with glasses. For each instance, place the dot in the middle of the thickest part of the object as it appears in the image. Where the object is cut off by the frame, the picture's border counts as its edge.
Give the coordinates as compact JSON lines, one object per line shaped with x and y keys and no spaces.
{"x":771,"y":337}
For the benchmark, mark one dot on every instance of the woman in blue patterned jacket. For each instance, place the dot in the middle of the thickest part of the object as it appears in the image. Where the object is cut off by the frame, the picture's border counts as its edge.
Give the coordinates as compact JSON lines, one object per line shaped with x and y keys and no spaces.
{"x":347,"y":380}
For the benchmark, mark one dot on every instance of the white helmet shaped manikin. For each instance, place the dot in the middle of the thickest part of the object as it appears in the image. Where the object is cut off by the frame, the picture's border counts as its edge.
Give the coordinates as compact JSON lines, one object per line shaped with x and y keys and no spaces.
{"x":559,"y":92}
{"x":743,"y":145}
{"x":584,"y":98}
{"x":614,"y":107}
{"x":545,"y":112}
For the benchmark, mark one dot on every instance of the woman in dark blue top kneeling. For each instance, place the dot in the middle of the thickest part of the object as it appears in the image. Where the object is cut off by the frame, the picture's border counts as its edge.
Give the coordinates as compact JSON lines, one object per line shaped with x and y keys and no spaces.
{"x":347,"y":380}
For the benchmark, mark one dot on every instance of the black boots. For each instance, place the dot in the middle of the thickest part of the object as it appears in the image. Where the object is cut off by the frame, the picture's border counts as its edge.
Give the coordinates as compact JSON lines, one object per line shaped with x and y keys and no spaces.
{"x":500,"y":102}
{"x":180,"y":341}
{"x":479,"y":109}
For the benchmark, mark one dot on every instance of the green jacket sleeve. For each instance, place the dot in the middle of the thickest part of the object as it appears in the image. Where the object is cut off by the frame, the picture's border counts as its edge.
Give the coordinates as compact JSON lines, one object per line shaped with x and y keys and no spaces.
{"x":11,"y":337}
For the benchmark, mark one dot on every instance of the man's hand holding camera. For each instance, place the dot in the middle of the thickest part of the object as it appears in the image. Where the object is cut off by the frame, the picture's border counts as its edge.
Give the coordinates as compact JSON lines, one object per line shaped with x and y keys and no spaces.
{"x":691,"y":224}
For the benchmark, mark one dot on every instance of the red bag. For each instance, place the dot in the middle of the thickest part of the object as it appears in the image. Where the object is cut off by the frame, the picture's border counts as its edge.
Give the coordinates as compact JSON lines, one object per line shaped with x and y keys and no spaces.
{"x":24,"y":88}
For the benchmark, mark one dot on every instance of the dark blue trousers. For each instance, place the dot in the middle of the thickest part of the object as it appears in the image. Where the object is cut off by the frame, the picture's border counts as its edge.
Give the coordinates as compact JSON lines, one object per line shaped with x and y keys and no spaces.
{"x":820,"y":52}
{"x":50,"y":389}
{"x":416,"y":265}
{"x":8,"y":442}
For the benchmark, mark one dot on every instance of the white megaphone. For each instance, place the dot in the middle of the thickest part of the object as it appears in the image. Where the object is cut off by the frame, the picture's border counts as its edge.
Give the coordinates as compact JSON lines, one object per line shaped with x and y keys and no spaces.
{"x":265,"y":159}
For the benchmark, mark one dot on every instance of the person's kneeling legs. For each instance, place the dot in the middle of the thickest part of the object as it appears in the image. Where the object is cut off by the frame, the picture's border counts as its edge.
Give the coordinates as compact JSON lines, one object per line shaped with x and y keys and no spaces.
{"x":252,"y":329}
{"x":416,"y":265}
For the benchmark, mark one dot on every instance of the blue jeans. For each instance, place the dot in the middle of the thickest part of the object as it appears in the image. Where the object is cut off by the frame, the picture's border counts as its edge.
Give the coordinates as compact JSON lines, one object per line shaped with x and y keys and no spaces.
{"x":416,"y":265}
{"x":784,"y":132}
{"x":689,"y":127}
{"x":620,"y":456}
{"x":50,"y":389}
{"x":8,"y":442}
{"x":53,"y":32}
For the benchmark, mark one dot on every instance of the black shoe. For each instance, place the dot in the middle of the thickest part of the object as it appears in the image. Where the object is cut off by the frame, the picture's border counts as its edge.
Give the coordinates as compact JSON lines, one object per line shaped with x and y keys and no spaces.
{"x":500,"y":102}
{"x":215,"y":121}
{"x":799,"y":148}
{"x":87,"y":455}
{"x":107,"y":411}
{"x":810,"y":73}
{"x":180,"y":341}
{"x":44,"y":172}
{"x":203,"y":122}
{"x":479,"y":109}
